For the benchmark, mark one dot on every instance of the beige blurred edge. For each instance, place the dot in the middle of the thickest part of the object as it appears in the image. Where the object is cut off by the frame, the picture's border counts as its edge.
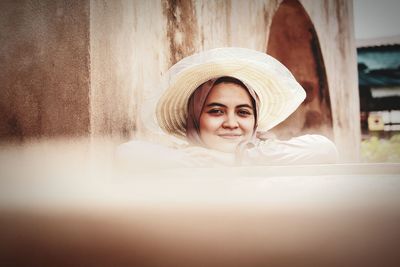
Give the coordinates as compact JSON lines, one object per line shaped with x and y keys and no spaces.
{"x":67,"y":203}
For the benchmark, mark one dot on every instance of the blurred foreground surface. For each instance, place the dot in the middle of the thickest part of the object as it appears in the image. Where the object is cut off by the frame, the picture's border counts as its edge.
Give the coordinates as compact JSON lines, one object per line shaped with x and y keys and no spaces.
{"x":68,"y":203}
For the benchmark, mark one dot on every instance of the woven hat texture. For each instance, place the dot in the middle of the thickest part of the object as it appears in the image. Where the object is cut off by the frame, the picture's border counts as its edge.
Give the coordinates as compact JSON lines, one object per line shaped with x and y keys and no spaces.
{"x":278,"y":91}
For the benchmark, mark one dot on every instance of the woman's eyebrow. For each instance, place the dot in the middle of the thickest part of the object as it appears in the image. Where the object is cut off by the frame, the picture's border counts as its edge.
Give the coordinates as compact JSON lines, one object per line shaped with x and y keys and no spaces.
{"x":216,"y":104}
{"x":244,"y":106}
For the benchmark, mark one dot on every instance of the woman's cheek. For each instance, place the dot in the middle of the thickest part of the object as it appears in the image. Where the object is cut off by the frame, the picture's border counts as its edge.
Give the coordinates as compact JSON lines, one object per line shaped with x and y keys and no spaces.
{"x":206,"y":122}
{"x":212,"y":123}
{"x":247,"y":125}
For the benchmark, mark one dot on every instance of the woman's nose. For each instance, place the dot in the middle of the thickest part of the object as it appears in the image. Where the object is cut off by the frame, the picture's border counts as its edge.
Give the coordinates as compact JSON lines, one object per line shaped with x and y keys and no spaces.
{"x":230,"y":121}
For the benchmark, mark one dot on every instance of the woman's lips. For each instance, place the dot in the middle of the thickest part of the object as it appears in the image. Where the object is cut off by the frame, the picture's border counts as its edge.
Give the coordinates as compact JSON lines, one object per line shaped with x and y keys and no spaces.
{"x":230,"y":136}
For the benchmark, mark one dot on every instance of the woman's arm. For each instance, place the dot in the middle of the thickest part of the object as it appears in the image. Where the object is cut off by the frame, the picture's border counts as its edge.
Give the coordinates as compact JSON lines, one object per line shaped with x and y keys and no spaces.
{"x":306,"y":149}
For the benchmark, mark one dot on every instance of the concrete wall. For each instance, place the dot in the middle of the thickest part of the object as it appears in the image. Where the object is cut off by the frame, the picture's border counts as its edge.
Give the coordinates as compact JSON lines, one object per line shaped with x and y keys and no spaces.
{"x":45,"y":72}
{"x":58,"y":86}
{"x":128,"y":53}
{"x":333,"y":24}
{"x":294,"y":42}
{"x":333,"y":21}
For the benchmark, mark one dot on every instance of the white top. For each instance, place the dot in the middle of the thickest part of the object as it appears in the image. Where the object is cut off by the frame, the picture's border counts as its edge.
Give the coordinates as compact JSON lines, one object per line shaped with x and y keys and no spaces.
{"x":306,"y":149}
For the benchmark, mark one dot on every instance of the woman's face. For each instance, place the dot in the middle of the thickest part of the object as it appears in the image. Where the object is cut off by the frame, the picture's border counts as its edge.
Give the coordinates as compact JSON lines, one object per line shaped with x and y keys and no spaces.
{"x":227,"y":117}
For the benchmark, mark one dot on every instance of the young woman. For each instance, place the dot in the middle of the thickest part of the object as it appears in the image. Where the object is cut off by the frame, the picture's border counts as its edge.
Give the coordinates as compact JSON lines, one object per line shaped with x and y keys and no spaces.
{"x":222,"y":102}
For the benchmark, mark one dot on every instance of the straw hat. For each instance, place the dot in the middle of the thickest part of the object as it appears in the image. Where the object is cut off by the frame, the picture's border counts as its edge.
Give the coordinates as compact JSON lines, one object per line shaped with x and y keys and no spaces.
{"x":278,"y":91}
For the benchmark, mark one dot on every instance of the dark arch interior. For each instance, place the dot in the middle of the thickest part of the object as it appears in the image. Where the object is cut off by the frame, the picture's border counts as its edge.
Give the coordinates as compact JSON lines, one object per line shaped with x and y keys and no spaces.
{"x":294,"y":42}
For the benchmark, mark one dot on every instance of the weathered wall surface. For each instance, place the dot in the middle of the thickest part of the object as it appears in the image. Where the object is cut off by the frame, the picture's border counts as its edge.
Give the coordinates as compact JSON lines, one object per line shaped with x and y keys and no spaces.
{"x":129,"y":52}
{"x":94,"y":67}
{"x":333,"y":21}
{"x":233,"y":23}
{"x":44,"y":77}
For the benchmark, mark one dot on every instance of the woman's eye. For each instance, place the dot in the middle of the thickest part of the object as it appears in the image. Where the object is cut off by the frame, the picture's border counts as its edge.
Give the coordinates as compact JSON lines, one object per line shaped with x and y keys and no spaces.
{"x":215,"y":111}
{"x":244,"y":113}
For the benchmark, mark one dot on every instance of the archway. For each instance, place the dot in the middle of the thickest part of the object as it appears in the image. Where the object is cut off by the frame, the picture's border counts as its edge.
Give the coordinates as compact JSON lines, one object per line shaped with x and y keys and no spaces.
{"x":294,"y":42}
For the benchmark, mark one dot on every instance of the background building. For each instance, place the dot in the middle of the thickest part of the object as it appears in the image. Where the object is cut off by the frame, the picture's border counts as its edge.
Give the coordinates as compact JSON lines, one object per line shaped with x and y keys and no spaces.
{"x":379,"y":85}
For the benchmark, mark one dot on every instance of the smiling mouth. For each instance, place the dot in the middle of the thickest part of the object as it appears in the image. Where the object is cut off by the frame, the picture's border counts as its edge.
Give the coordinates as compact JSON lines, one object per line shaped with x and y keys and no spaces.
{"x":230,"y":136}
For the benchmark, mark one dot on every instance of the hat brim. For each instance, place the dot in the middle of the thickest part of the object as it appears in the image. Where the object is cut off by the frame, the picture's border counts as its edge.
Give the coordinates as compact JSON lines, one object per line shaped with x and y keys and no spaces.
{"x":278,"y":91}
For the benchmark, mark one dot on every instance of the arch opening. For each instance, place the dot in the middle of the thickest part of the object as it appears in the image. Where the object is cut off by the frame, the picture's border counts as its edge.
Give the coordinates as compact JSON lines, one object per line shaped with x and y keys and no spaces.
{"x":294,"y":42}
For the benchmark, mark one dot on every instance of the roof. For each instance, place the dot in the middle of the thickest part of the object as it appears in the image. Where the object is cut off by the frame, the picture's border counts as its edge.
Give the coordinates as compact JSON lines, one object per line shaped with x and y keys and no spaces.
{"x":379,"y":66}
{"x":379,"y":57}
{"x":376,"y":42}
{"x":380,"y":48}
{"x":378,"y":78}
